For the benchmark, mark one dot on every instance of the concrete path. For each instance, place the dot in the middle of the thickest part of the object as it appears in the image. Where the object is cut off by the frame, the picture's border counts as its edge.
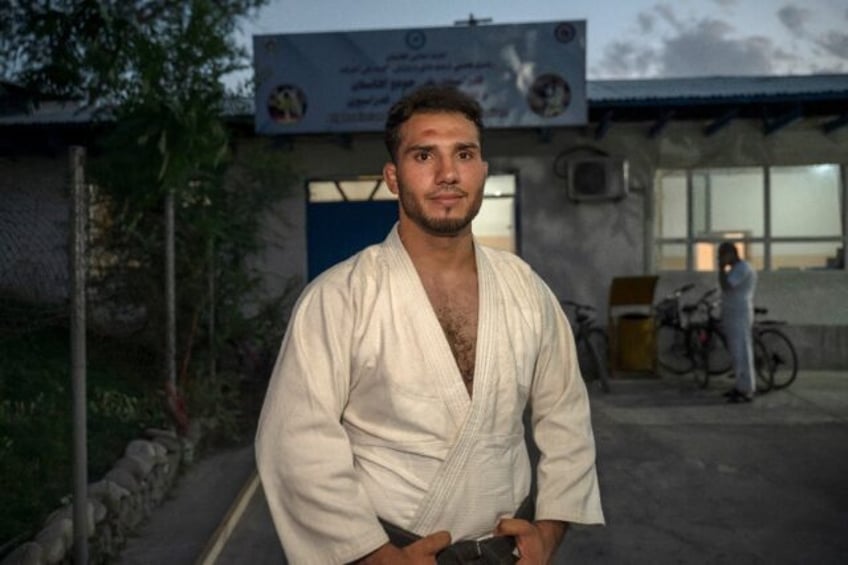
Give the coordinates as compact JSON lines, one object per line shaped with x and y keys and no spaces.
{"x":180,"y":529}
{"x":685,"y":478}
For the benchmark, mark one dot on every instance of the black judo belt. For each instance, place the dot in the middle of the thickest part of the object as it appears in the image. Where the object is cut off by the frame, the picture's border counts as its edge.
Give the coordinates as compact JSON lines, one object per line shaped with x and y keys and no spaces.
{"x":497,"y":550}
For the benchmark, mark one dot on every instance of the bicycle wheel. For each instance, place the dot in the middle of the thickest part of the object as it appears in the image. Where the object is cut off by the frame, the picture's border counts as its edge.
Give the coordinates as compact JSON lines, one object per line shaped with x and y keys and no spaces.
{"x":718,"y":356}
{"x":782,"y":358}
{"x":672,"y":350}
{"x":699,"y":348}
{"x":592,"y":355}
{"x":764,"y":375}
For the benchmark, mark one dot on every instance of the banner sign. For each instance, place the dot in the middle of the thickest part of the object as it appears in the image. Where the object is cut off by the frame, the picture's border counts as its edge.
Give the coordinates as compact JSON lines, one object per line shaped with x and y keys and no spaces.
{"x":523,"y":75}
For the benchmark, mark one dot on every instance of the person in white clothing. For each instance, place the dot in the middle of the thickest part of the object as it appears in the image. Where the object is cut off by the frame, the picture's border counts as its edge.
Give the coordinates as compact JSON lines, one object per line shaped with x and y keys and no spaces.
{"x":738,"y":281}
{"x":394,"y":409}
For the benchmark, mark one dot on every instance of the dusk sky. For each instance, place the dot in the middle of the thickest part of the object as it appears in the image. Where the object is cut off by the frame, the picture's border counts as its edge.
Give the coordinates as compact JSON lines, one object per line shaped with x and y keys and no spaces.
{"x":632,"y":39}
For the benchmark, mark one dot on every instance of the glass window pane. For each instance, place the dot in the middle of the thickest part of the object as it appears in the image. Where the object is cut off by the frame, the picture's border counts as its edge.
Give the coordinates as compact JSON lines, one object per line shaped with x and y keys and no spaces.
{"x":754,"y":253}
{"x":383,"y":192}
{"x":324,"y":191}
{"x":805,"y":201}
{"x":729,"y":200}
{"x":670,"y":204}
{"x":499,"y":185}
{"x":359,"y":189}
{"x":807,"y":255}
{"x":706,"y":254}
{"x":671,"y":257}
{"x":494,"y":225}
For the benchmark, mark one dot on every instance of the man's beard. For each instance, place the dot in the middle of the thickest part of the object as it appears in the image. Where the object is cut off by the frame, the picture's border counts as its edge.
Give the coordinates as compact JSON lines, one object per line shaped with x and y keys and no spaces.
{"x":433,"y":225}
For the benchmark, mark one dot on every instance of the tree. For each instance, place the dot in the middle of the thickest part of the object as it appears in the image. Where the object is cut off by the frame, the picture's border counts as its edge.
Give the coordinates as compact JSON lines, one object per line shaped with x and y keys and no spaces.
{"x":114,"y":51}
{"x":152,"y":70}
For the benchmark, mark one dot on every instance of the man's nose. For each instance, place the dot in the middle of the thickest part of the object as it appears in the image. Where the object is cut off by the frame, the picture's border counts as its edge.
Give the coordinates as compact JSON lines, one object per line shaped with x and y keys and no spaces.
{"x":447,"y":172}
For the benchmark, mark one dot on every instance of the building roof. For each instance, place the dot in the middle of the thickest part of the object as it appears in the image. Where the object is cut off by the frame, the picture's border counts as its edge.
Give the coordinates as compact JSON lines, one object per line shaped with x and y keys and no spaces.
{"x":777,"y":101}
{"x":48,"y":113}
{"x":719,"y":89}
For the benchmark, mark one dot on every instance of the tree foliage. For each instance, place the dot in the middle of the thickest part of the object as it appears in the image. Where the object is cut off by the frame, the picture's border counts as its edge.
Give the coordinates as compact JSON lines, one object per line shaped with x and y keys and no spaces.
{"x":153,"y":71}
{"x":116,"y":51}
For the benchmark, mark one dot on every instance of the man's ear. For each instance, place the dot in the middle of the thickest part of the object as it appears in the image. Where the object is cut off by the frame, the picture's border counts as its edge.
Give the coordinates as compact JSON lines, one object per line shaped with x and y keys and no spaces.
{"x":390,"y":176}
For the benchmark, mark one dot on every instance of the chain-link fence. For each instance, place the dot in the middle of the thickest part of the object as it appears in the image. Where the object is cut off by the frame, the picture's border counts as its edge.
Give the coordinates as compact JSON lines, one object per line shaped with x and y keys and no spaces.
{"x":33,"y":243}
{"x":227,"y":329}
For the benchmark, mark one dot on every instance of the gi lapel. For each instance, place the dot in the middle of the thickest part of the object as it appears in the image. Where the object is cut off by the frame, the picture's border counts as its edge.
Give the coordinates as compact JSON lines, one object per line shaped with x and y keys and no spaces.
{"x":440,"y":358}
{"x":454,"y":469}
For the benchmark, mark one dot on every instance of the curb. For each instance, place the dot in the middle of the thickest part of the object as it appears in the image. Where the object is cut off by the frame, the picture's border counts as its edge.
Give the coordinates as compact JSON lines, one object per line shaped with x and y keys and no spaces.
{"x":222,"y":533}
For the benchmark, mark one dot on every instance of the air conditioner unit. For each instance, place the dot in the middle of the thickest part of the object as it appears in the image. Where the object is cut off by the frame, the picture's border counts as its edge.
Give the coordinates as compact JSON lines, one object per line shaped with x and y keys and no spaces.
{"x":597,"y":178}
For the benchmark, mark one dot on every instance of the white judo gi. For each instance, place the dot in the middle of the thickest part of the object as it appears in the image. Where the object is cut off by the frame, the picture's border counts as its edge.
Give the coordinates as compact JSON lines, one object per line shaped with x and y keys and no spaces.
{"x":366,"y":413}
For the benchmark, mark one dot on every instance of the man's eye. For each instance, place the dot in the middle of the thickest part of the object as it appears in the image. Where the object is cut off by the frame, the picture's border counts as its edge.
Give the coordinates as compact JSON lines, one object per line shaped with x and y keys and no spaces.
{"x":422,"y":156}
{"x":466,"y":155}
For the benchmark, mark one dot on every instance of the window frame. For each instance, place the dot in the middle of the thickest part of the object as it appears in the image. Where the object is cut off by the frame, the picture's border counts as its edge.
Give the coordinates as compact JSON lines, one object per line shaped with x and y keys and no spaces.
{"x":766,"y":241}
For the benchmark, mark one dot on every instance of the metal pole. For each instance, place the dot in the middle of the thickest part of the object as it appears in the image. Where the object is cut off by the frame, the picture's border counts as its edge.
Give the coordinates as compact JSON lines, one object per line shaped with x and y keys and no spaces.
{"x":843,"y":173}
{"x":210,"y":265}
{"x":170,"y":294}
{"x":79,"y":213}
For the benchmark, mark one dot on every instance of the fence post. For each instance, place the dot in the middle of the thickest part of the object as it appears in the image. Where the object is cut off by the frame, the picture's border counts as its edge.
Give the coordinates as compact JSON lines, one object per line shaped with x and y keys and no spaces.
{"x":78,"y":268}
{"x":170,"y":293}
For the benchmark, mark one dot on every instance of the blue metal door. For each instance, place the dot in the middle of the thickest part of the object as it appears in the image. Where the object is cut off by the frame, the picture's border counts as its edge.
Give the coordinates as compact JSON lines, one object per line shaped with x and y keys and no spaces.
{"x":337,"y":230}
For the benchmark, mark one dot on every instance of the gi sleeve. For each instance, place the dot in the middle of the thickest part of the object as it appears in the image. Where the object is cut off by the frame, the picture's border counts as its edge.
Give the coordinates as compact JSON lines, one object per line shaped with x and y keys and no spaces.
{"x":304,"y":458}
{"x":562,"y":427}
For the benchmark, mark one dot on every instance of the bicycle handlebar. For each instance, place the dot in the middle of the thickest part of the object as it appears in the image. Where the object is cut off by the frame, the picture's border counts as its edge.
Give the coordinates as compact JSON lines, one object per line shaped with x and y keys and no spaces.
{"x":678,"y":292}
{"x":684,"y":289}
{"x":578,"y":306}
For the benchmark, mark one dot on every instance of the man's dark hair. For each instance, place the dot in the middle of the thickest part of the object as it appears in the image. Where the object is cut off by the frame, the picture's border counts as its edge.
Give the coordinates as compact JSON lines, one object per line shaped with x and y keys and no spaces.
{"x":728,"y":247}
{"x":429,"y":99}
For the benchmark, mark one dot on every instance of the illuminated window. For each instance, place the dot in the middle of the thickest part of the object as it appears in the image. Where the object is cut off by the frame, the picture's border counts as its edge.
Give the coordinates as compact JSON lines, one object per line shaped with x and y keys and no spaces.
{"x":779,"y":217}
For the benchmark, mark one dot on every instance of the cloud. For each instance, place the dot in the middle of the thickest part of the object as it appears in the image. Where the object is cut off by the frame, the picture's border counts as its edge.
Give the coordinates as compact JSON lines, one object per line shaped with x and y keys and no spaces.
{"x":794,"y":18}
{"x":669,"y":45}
{"x":836,"y":43}
{"x":646,"y":22}
{"x":628,"y":59}
{"x":666,"y":13}
{"x":706,"y":48}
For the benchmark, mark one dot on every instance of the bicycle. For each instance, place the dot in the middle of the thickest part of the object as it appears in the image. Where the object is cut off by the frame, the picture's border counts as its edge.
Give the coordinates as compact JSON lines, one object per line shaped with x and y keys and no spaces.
{"x":690,"y":343}
{"x":592,"y":345}
{"x":698,"y":345}
{"x":774,"y":354}
{"x":670,"y":334}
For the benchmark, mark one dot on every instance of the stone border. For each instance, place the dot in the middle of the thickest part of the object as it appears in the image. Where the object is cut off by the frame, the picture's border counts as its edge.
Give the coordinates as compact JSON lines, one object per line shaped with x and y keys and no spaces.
{"x":117,"y":504}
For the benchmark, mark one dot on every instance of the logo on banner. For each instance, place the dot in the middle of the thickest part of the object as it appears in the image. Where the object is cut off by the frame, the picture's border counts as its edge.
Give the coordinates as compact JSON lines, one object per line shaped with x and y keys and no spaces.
{"x":416,"y":39}
{"x":287,"y":104}
{"x":549,"y":95}
{"x":565,"y":33}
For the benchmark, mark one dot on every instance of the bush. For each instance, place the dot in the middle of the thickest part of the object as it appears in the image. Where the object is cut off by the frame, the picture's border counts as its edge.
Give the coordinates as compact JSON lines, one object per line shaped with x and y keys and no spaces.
{"x":36,"y":421}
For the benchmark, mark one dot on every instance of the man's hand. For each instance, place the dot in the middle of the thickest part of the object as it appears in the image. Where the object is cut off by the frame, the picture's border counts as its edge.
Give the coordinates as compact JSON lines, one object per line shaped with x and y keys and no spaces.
{"x":537,"y":542}
{"x":421,"y":552}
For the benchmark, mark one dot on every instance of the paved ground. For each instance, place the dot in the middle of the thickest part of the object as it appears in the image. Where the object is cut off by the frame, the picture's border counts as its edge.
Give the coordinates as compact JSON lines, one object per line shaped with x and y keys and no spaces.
{"x":180,"y":529}
{"x":685,"y":478}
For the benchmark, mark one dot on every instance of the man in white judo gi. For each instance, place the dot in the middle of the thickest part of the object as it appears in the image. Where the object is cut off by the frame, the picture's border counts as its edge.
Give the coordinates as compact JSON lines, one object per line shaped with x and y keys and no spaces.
{"x":738,"y":281}
{"x":398,"y":393}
